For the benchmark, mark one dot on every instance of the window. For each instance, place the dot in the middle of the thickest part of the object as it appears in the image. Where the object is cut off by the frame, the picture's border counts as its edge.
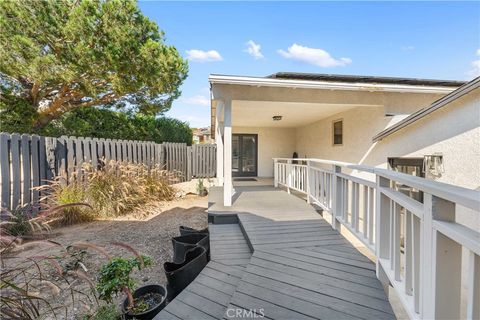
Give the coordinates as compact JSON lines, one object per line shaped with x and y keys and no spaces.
{"x":337,"y":132}
{"x":412,"y":166}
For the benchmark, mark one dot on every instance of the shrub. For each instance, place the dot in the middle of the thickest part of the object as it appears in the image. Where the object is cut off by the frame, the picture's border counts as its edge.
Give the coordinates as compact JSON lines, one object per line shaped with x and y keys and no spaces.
{"x":114,"y":277}
{"x":19,"y":117}
{"x":116,"y":188}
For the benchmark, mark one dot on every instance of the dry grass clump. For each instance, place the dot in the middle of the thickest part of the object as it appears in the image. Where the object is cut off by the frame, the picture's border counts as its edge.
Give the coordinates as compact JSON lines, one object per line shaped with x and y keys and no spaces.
{"x":113,"y":189}
{"x":28,"y":284}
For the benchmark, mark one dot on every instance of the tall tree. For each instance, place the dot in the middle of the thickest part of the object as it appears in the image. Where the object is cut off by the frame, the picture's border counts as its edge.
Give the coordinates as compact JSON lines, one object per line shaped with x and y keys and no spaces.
{"x":56,"y":56}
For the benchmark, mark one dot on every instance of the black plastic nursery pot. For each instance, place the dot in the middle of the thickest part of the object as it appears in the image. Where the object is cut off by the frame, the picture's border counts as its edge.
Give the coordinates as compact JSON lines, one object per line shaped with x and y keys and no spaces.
{"x":179,"y":275}
{"x":152,"y":312}
{"x":184,"y":230}
{"x":189,"y":241}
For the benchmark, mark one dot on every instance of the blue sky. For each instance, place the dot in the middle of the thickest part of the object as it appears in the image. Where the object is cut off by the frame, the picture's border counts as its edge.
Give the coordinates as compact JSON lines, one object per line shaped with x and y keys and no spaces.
{"x":439,"y":40}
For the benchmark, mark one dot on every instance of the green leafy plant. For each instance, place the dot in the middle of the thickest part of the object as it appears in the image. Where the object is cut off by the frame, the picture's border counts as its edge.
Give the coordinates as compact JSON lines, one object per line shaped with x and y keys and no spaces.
{"x":114,"y":277}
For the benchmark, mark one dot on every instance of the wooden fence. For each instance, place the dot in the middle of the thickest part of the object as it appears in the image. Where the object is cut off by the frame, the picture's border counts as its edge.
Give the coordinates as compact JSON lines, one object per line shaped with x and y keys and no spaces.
{"x":28,"y":161}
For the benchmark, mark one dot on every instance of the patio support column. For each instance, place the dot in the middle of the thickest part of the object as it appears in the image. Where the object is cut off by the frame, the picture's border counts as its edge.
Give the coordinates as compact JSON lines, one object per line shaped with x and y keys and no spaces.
{"x":227,"y":154}
{"x":219,"y":142}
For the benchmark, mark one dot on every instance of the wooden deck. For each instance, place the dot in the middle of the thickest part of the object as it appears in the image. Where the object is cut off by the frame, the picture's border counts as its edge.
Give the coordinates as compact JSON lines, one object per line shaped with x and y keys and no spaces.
{"x":300,"y":267}
{"x":209,"y":295}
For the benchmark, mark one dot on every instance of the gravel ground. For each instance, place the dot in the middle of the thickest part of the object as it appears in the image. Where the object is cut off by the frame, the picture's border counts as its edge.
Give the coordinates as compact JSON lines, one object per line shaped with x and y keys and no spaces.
{"x":150,"y":235}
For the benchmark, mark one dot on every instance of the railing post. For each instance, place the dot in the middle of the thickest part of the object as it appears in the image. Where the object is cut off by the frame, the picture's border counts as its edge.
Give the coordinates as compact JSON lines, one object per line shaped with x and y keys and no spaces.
{"x":289,"y":175}
{"x":308,"y":182}
{"x":275,"y":173}
{"x":337,"y":196}
{"x":382,"y":228}
{"x":440,"y":264}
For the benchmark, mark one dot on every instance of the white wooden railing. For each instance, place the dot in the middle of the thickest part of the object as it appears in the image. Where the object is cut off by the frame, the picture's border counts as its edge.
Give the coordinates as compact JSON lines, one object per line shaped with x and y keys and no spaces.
{"x":418,"y":245}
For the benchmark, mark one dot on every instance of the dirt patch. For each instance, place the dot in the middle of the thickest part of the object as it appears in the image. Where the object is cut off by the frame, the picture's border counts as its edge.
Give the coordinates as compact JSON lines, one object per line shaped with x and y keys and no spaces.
{"x":149,"y":233}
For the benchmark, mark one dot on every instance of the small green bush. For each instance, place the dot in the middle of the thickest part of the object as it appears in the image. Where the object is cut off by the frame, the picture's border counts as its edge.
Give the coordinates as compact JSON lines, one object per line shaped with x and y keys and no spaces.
{"x":114,"y":277}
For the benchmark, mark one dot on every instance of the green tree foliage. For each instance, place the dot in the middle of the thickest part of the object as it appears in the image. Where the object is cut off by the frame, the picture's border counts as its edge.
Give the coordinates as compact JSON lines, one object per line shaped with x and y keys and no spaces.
{"x":103,"y":123}
{"x":63,"y":55}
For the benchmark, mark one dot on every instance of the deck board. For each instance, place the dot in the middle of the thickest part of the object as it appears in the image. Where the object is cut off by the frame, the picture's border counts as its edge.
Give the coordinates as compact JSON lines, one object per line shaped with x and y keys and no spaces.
{"x":209,"y":295}
{"x":300,"y":267}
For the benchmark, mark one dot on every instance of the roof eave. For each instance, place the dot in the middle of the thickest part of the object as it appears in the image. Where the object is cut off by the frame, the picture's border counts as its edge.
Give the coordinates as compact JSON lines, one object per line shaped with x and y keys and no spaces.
{"x":454,"y":95}
{"x":326,"y":85}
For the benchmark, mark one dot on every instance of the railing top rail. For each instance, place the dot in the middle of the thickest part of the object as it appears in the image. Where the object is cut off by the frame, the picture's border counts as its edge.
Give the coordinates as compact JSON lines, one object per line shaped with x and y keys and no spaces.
{"x":463,"y":196}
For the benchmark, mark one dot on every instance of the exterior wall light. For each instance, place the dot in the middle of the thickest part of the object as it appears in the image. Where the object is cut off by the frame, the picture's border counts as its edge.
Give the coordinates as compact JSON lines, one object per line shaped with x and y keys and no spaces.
{"x":277,"y":118}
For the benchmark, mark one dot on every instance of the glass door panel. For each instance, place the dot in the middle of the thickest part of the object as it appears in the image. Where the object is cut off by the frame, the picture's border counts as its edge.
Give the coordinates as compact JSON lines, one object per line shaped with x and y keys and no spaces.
{"x":249,"y":154}
{"x":235,"y":154}
{"x":244,"y":155}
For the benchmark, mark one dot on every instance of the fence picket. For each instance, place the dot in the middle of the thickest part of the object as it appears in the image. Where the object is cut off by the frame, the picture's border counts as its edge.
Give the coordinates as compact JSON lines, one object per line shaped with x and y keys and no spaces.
{"x":29,"y":161}
{"x":26,"y":171}
{"x":5,"y":170}
{"x":15,"y":147}
{"x":35,"y":167}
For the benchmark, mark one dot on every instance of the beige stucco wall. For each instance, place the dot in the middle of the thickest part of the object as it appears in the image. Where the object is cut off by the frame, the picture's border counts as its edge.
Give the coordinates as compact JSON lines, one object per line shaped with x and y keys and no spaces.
{"x":453,"y":131}
{"x":272,"y":142}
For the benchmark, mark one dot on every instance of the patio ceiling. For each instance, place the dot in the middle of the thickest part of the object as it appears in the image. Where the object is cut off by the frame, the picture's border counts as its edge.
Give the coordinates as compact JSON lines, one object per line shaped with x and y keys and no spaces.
{"x":294,"y":114}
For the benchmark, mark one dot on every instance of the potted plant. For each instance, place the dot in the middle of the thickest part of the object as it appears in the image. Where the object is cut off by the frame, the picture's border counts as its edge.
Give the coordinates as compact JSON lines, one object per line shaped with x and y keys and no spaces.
{"x":145,"y":302}
{"x":201,"y":190}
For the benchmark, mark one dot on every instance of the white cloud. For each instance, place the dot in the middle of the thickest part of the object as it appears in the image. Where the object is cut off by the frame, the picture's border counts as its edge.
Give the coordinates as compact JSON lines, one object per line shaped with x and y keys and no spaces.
{"x":408,"y":48}
{"x":203,"y":56}
{"x":475,"y":70}
{"x":253,"y":49}
{"x":197,"y":100}
{"x":317,"y":57}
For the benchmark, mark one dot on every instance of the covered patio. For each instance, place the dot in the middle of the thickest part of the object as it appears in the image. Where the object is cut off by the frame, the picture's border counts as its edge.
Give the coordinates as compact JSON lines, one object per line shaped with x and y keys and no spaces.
{"x":257,"y":119}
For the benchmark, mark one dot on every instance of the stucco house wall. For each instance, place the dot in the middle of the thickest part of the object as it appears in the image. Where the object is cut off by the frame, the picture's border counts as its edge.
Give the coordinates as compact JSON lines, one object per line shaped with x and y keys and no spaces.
{"x":272,"y":142}
{"x":452,"y":128}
